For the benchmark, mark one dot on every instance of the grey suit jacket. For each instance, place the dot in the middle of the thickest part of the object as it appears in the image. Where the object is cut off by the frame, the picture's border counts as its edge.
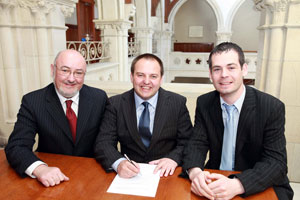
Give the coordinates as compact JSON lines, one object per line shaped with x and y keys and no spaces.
{"x":171,"y":129}
{"x":260,"y":145}
{"x":41,"y":113}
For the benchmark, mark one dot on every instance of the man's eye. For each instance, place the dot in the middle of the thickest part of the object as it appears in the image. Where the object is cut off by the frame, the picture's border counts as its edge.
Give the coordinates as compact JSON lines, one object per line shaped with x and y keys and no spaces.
{"x":65,"y":70}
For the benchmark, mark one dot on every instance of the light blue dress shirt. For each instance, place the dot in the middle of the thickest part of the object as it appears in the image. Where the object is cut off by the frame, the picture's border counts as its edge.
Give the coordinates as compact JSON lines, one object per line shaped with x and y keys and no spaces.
{"x":238,"y":104}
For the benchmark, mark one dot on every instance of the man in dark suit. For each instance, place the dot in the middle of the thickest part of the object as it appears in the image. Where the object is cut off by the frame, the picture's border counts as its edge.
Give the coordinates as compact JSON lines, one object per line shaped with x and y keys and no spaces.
{"x":46,"y":112}
{"x":161,"y":141}
{"x":250,"y":138}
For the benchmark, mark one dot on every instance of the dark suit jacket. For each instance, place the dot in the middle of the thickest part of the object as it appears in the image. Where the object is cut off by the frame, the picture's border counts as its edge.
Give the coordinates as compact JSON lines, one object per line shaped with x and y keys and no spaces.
{"x":260,"y":145}
{"x":171,"y":129}
{"x":41,"y":112}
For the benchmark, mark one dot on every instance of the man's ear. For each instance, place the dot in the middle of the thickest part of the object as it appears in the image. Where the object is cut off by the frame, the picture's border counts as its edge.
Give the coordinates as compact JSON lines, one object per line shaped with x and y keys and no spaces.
{"x":245,"y":69}
{"x":131,"y":77}
{"x":210,"y":75}
{"x":52,"y":70}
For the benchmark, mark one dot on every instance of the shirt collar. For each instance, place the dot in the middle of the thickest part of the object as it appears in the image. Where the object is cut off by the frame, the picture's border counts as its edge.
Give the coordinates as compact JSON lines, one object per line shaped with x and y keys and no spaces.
{"x":239,"y":103}
{"x":62,"y":99}
{"x":152,"y":101}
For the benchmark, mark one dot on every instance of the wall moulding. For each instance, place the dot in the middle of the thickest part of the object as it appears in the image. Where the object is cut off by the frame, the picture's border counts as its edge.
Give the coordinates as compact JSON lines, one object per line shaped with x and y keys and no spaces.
{"x":33,"y":26}
{"x":118,"y":25}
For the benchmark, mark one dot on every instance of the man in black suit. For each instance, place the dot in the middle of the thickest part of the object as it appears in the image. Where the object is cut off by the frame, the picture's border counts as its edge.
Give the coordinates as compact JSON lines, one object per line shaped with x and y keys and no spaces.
{"x":45,"y":112}
{"x":160,"y":142}
{"x":254,"y":143}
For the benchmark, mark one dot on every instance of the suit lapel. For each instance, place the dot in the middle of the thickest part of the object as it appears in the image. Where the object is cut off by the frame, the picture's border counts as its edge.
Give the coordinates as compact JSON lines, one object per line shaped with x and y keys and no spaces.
{"x":216,"y":116}
{"x":84,"y":110}
{"x":56,"y":111}
{"x":247,"y":114}
{"x":160,"y":116}
{"x":129,"y":111}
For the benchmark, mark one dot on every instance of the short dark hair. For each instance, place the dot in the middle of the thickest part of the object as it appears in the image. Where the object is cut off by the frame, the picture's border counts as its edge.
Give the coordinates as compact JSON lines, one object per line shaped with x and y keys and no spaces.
{"x":148,"y":56}
{"x":225,"y":47}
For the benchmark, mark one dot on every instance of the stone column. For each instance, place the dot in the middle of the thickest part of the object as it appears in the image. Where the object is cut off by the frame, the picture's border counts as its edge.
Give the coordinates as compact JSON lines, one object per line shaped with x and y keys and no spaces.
{"x":116,"y":33}
{"x":31,"y":33}
{"x":263,"y":48}
{"x":144,"y":37}
{"x":40,"y":12}
{"x":114,"y":23}
{"x":279,"y":70}
{"x":164,"y":42}
{"x":276,"y":46}
{"x":223,"y":36}
{"x":10,"y":72}
{"x":290,"y":86}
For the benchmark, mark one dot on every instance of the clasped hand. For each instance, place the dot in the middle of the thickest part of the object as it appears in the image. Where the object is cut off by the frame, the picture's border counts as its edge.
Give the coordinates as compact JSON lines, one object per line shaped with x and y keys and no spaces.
{"x":214,"y":186}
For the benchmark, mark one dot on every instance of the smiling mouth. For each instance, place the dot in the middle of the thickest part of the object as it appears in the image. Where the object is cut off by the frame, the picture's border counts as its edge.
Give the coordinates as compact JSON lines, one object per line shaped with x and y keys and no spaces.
{"x":146,"y":88}
{"x":225,"y":83}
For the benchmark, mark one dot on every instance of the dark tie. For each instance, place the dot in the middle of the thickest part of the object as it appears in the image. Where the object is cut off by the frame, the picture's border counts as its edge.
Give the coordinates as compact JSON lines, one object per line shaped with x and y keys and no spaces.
{"x":144,"y":125}
{"x":71,"y":116}
{"x":227,"y":158}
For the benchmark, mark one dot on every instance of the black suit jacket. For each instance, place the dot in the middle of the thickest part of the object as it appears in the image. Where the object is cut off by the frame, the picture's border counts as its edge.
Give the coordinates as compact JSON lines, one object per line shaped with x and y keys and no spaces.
{"x":260,"y":145}
{"x":171,"y":129}
{"x":41,"y":112}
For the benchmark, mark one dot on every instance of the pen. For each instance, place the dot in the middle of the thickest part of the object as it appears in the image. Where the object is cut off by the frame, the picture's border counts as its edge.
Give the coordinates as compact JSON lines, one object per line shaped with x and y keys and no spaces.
{"x":127,"y":158}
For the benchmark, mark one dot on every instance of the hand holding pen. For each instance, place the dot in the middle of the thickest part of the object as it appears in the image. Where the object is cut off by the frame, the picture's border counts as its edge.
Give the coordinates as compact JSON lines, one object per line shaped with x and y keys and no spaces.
{"x":128,"y":168}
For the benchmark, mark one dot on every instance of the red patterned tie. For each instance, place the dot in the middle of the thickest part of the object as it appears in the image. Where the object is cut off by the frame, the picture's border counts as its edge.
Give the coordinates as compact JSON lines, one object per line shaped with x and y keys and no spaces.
{"x":71,"y":116}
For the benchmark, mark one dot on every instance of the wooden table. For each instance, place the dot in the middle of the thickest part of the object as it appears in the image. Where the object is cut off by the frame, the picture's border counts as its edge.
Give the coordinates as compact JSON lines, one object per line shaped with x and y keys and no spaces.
{"x":88,"y":180}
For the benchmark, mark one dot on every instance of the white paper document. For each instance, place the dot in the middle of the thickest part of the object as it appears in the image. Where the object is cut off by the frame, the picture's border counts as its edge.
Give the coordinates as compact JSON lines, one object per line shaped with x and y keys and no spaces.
{"x":144,"y":184}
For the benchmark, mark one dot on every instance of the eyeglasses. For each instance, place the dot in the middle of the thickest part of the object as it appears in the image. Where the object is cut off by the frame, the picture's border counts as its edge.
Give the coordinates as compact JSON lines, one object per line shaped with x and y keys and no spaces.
{"x":65,"y":71}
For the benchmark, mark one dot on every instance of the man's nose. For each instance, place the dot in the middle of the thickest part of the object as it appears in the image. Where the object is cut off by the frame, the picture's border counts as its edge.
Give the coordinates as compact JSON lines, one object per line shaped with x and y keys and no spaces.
{"x":146,"y":80}
{"x":224,"y":72}
{"x":71,"y":77}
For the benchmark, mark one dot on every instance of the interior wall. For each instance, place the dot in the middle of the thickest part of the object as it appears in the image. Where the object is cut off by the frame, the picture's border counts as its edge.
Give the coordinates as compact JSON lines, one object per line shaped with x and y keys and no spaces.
{"x":244,"y":27}
{"x":195,"y":13}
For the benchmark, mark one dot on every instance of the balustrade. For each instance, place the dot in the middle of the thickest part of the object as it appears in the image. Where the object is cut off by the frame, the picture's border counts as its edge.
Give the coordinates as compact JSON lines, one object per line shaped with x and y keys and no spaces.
{"x":92,"y":51}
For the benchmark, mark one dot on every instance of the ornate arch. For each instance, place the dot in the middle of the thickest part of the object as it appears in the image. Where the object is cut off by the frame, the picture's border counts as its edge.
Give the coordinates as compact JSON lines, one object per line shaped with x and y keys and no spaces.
{"x":231,"y":14}
{"x":212,"y":3}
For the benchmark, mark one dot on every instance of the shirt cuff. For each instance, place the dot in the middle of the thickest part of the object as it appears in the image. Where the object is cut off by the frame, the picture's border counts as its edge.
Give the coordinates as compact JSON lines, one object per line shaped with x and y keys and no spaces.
{"x":116,"y":164}
{"x":32,"y":167}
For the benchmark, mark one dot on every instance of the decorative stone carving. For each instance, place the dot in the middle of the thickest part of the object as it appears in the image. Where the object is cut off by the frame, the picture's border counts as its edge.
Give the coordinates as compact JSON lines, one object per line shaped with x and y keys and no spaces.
{"x":277,"y":5}
{"x":67,"y":10}
{"x":259,"y":5}
{"x":5,"y":6}
{"x":118,"y":25}
{"x":187,"y":61}
{"x":130,"y":10}
{"x":8,"y":3}
{"x":223,"y":36}
{"x":37,"y":5}
{"x":198,"y":61}
{"x":143,"y":31}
